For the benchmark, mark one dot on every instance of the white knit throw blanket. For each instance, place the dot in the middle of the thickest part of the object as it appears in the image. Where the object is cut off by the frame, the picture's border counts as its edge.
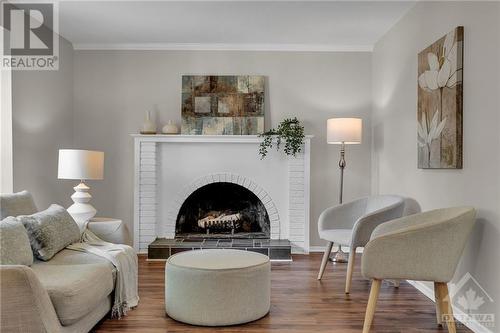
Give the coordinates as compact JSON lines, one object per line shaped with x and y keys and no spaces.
{"x":124,"y":259}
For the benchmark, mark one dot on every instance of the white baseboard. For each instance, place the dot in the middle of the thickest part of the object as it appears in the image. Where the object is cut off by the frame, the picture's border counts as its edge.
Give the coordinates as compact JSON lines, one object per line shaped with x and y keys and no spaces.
{"x":474,"y":326}
{"x":344,"y":248}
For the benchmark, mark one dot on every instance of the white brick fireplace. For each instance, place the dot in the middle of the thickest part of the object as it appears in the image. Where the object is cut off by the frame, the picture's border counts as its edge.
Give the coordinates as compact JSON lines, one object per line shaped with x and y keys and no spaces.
{"x":168,"y":168}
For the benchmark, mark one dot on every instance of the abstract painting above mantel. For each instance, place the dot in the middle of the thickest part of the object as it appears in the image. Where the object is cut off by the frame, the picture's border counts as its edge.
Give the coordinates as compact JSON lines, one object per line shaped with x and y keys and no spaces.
{"x":222,"y":105}
{"x":440,"y":103}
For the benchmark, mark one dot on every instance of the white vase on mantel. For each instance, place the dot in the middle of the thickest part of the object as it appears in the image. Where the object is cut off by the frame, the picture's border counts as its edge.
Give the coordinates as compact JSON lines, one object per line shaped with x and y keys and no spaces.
{"x":170,"y":128}
{"x":149,"y":126}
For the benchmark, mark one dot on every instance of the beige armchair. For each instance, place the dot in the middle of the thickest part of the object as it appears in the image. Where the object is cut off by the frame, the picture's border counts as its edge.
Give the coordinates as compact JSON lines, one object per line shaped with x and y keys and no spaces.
{"x":352,"y":223}
{"x":422,"y":247}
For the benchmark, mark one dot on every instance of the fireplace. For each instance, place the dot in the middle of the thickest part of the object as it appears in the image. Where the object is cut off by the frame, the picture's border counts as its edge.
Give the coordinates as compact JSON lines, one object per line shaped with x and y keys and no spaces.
{"x":222,"y":210}
{"x":213,"y":191}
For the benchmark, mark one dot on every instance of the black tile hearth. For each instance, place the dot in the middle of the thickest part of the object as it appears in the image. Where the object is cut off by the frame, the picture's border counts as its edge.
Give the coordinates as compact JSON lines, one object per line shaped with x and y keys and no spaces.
{"x":276,"y":249}
{"x":261,"y":250}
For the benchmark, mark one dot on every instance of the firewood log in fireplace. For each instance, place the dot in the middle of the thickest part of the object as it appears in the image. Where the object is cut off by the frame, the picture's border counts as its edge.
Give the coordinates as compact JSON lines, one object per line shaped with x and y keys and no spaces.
{"x":220,"y":221}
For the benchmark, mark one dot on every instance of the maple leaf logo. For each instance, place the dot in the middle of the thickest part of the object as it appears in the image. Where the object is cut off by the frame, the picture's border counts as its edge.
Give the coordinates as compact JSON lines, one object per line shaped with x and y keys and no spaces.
{"x":470,"y":301}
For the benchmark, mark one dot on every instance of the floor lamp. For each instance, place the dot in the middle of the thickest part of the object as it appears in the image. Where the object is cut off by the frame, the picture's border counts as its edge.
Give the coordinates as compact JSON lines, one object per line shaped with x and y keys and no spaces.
{"x":343,"y":131}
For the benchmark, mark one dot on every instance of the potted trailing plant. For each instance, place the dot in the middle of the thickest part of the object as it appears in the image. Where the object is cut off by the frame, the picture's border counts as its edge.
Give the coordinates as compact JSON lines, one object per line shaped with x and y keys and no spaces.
{"x":290,"y":132}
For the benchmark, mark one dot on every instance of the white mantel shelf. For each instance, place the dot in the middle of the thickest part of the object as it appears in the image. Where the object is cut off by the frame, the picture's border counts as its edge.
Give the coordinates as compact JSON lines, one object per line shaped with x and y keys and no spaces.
{"x":202,"y":138}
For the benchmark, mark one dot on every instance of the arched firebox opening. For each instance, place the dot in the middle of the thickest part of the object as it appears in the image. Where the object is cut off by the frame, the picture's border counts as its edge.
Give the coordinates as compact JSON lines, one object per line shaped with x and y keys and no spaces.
{"x":223,"y":210}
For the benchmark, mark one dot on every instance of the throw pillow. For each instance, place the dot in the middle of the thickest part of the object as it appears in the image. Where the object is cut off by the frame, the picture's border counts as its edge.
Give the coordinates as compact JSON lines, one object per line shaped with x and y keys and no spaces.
{"x":15,"y":204}
{"x":50,"y":231}
{"x":15,"y":246}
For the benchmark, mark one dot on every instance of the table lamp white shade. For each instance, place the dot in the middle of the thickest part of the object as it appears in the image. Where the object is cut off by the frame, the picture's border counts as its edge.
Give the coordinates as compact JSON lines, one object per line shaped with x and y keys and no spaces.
{"x":344,"y":130}
{"x":80,"y":164}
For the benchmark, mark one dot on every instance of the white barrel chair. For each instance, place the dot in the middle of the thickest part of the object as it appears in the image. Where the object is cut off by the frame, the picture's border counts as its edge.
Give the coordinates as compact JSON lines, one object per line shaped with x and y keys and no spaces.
{"x":351,"y":224}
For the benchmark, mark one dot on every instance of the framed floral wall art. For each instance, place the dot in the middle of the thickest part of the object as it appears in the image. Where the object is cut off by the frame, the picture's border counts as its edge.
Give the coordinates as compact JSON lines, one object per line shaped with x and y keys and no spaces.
{"x":440,"y":103}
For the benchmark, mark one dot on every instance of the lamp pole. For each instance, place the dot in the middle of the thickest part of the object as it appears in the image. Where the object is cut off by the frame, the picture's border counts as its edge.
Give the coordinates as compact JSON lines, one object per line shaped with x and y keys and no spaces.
{"x":342,"y":165}
{"x":340,"y":256}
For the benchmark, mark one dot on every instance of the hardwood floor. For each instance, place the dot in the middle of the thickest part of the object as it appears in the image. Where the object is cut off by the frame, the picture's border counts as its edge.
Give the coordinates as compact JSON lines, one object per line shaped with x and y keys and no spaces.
{"x":299,"y":303}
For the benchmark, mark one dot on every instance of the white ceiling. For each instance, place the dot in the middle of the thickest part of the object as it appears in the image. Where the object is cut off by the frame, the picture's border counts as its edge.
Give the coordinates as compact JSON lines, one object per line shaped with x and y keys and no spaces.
{"x":246,"y":25}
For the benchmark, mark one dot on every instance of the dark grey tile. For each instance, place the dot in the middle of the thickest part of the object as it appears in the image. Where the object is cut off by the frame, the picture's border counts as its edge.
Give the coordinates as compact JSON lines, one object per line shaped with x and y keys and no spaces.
{"x":161,"y":242}
{"x":259,"y":250}
{"x":265,"y":242}
{"x":209,"y":244}
{"x":190,"y":240}
{"x":175,"y":250}
{"x":188,"y":244}
{"x":280,"y":253}
{"x":158,"y":253}
{"x":242,"y":243}
{"x":279,"y":243}
{"x":162,"y":248}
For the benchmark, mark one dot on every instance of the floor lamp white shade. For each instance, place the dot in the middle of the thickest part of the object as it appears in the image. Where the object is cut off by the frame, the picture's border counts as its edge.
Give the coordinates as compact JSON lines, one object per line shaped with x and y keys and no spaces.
{"x":82,"y":165}
{"x":344,"y":130}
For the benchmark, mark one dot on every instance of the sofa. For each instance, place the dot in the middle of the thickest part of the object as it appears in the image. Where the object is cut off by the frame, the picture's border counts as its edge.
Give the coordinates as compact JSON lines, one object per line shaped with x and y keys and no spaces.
{"x":71,"y":292}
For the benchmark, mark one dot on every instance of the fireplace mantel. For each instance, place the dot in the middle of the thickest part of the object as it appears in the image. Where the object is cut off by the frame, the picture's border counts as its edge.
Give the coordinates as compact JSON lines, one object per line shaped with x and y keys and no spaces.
{"x":202,"y":138}
{"x":161,"y":186}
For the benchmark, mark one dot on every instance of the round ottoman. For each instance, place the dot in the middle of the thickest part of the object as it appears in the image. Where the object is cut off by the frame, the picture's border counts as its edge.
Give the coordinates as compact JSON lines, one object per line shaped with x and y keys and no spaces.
{"x":217,"y":287}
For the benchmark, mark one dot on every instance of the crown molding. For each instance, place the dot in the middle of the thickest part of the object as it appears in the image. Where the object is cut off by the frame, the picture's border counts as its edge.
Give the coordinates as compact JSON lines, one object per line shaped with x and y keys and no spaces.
{"x":226,"y":47}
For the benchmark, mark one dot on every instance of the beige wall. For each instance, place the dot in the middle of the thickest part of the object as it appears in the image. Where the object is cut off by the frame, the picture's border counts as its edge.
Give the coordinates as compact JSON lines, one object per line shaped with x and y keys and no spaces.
{"x":42,"y":123}
{"x":112,"y":89}
{"x":394,"y":155}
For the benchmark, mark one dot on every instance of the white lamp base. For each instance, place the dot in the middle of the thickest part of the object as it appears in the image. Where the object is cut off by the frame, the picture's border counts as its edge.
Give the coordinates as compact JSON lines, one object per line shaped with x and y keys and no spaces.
{"x":81,"y":210}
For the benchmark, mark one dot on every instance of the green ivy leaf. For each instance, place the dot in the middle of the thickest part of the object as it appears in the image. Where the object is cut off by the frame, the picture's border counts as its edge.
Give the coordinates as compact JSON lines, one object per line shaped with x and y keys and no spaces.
{"x":289,"y":131}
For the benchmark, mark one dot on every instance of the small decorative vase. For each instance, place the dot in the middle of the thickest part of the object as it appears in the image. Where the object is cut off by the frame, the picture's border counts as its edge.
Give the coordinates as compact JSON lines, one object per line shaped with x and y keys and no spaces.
{"x":170,"y":128}
{"x":148,"y":127}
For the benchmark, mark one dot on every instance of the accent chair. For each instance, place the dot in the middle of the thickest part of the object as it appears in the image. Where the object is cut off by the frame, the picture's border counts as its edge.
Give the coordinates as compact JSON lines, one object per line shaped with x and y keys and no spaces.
{"x":422,"y":247}
{"x":352,"y":223}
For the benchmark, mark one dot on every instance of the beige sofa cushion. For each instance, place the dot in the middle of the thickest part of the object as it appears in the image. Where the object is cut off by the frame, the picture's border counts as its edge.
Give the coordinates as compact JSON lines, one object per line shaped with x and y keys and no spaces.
{"x":15,"y":204}
{"x":15,"y":246}
{"x":76,"y":283}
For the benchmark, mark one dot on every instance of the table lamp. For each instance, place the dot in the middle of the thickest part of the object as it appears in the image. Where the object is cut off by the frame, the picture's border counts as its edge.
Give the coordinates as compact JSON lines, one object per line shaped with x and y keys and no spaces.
{"x":343,"y":131}
{"x":81,"y":165}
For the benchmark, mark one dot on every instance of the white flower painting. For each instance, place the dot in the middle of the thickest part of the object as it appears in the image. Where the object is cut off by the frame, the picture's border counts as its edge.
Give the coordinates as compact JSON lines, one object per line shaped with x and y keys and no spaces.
{"x":439,"y":129}
{"x":427,"y":134}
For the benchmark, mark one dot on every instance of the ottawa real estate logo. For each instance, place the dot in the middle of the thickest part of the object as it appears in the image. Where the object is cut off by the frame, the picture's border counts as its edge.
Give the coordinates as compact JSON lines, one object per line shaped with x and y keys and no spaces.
{"x":30,"y":39}
{"x":472,"y":301}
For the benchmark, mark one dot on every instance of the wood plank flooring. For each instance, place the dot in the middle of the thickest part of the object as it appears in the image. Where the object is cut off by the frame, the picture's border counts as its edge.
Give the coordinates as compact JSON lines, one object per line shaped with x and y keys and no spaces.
{"x":299,"y":303}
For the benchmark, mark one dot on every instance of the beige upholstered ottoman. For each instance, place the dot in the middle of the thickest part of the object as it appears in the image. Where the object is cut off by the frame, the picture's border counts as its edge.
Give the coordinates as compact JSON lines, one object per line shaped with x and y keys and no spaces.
{"x":217,"y":287}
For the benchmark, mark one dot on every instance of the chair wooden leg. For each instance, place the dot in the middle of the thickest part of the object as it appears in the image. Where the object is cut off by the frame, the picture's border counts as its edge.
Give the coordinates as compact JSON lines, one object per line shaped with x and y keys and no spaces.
{"x":445,"y":306}
{"x":437,"y":297}
{"x":350,"y":269}
{"x":328,"y":250}
{"x":372,"y":302}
